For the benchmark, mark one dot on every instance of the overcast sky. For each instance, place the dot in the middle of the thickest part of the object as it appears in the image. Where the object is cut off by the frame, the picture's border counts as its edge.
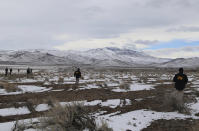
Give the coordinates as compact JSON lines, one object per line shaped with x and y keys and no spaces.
{"x":163,"y":28}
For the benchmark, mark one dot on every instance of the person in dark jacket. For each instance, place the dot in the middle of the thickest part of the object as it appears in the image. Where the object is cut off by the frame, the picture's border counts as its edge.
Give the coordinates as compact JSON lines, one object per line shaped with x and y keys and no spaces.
{"x":28,"y":72}
{"x":6,"y":71}
{"x":77,"y":75}
{"x":180,"y":80}
{"x":10,"y":71}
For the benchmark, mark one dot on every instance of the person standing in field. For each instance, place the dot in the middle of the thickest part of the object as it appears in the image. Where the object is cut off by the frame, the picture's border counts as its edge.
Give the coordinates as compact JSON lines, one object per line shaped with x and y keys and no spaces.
{"x":6,"y":71}
{"x":28,"y":72}
{"x":10,"y":71}
{"x":77,"y":75}
{"x":180,"y":80}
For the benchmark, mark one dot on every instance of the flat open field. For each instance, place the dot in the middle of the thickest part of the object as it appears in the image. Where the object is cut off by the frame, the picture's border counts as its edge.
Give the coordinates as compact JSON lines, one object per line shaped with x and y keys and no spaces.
{"x":128,"y":99}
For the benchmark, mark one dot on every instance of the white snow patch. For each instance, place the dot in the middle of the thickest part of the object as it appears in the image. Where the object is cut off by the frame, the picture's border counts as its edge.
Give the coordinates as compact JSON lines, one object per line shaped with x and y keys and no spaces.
{"x":24,"y":89}
{"x":7,"y":126}
{"x":194,"y":107}
{"x":89,"y":86}
{"x":42,"y":107}
{"x":139,"y":99}
{"x":152,"y":79}
{"x":167,"y":83}
{"x":195,"y":83}
{"x":139,"y":119}
{"x":32,"y":88}
{"x":93,"y":103}
{"x":135,"y":87}
{"x":14,"y":111}
{"x":113,"y":103}
{"x":58,"y":90}
{"x":29,"y":81}
{"x":112,"y":84}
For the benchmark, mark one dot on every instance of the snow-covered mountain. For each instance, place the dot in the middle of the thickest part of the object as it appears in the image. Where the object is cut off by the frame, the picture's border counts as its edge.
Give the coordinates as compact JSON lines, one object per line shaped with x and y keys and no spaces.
{"x":32,"y":57}
{"x":108,"y":56}
{"x":181,"y":62}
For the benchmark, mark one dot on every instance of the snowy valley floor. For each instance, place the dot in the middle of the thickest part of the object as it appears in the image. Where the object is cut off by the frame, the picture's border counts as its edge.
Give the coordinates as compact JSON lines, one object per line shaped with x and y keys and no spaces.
{"x":129,"y":100}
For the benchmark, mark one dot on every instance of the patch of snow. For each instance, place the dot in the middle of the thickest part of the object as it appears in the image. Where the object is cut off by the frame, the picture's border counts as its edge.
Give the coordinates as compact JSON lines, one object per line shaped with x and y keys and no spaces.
{"x":167,"y":83}
{"x":89,"y":86}
{"x":195,"y":83}
{"x":164,"y":77}
{"x":189,"y":91}
{"x":29,"y":81}
{"x":112,"y":84}
{"x":25,"y":88}
{"x":47,"y":83}
{"x":93,"y":103}
{"x":139,"y":99}
{"x":194,"y":107}
{"x":32,"y":88}
{"x":151,"y":79}
{"x":136,"y":87}
{"x":14,"y":111}
{"x":113,"y":103}
{"x":7,"y":126}
{"x":139,"y":119}
{"x":58,"y":90}
{"x":42,"y":107}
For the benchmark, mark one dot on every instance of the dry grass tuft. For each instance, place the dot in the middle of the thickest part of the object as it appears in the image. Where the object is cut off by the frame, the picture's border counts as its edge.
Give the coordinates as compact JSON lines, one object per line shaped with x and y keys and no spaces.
{"x":104,"y":126}
{"x":31,"y":104}
{"x":125,"y":86}
{"x":61,"y":80}
{"x":46,"y":79}
{"x":102,"y":84}
{"x":72,"y":117}
{"x":9,"y":87}
{"x":23,"y":126}
{"x":101,"y":76}
{"x":19,"y":126}
{"x":173,"y":103}
{"x":51,"y":101}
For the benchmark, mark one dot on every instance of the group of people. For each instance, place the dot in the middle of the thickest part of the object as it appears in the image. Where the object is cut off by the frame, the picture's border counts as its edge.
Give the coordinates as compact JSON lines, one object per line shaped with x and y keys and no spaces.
{"x":6,"y":71}
{"x":29,"y":71}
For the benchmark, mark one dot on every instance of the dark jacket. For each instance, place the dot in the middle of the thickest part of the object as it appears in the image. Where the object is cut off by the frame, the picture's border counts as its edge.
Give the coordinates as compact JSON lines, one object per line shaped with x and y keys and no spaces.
{"x":180,"y":80}
{"x":77,"y":74}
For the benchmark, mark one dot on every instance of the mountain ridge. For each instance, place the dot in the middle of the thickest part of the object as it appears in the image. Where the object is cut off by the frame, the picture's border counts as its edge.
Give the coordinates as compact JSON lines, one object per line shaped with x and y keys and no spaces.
{"x":108,"y":56}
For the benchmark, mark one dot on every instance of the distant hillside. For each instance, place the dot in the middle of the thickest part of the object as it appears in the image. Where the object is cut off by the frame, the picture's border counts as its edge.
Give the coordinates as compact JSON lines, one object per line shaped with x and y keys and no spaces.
{"x":101,"y":57}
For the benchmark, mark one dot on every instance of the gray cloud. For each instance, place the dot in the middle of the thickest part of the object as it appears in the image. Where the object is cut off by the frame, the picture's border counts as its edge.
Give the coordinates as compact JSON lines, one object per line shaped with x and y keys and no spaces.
{"x":34,"y":23}
{"x":147,"y":42}
{"x":184,"y":29}
{"x":184,"y":52}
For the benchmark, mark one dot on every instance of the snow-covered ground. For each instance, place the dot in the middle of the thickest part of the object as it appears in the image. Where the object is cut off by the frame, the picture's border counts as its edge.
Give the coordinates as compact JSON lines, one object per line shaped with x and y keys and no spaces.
{"x":139,"y":119}
{"x":14,"y":111}
{"x":25,"y":89}
{"x":135,"y":87}
{"x":134,"y":120}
